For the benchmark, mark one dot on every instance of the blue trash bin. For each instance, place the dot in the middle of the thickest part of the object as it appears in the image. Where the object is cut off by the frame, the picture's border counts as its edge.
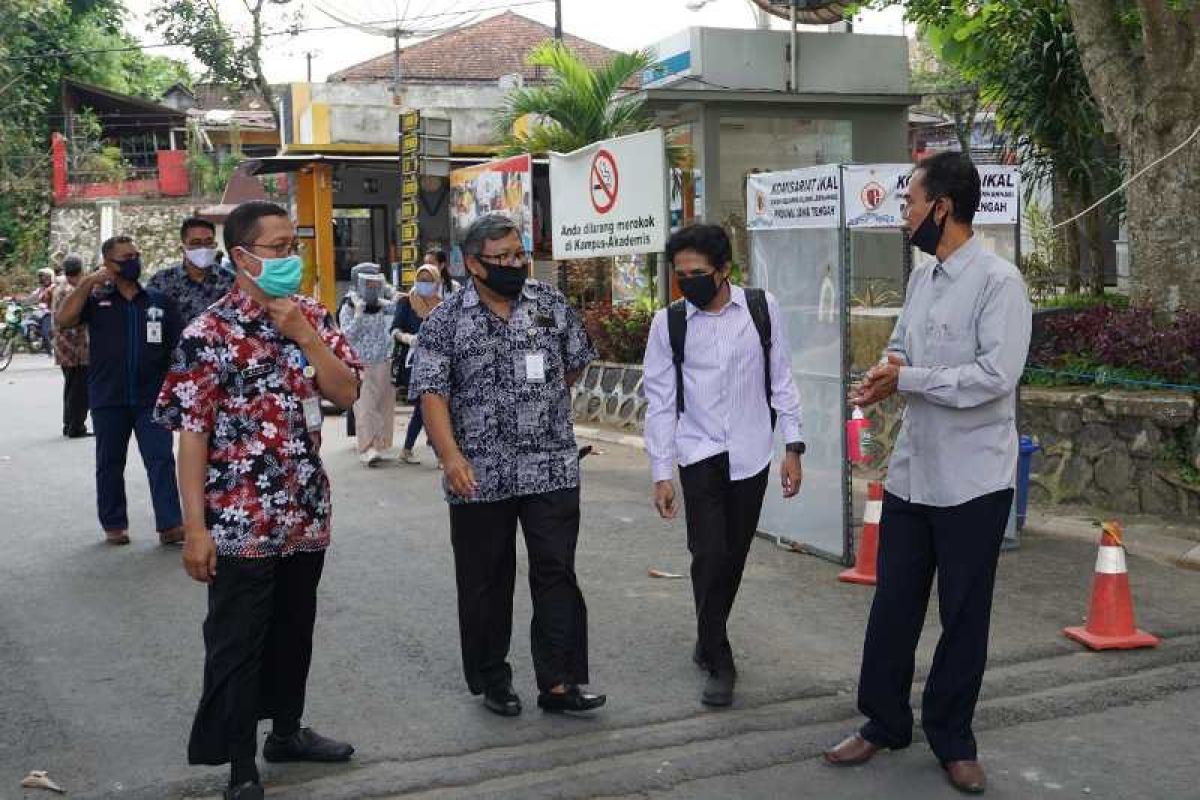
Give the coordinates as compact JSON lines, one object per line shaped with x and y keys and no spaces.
{"x":1028,"y":448}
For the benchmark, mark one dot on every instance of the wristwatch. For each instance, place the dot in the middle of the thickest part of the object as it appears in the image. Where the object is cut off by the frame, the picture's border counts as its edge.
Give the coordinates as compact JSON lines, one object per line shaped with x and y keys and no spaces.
{"x":795,"y":447}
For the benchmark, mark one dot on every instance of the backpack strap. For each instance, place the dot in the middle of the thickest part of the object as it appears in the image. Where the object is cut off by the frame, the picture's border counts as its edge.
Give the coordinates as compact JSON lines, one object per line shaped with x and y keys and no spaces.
{"x":677,"y":331}
{"x":756,"y":303}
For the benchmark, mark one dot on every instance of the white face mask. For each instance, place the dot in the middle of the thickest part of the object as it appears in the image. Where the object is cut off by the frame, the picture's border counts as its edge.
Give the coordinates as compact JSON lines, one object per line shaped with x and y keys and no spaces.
{"x":203,"y":257}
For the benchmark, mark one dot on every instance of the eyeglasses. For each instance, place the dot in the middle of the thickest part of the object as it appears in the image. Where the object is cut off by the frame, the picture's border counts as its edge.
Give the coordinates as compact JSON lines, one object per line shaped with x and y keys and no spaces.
{"x":292,"y":248}
{"x":505,"y":259}
{"x":698,"y":272}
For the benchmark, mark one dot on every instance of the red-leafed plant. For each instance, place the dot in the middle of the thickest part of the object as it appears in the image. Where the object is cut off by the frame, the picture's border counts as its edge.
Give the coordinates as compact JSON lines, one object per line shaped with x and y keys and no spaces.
{"x":619,"y":332}
{"x":1123,"y":340}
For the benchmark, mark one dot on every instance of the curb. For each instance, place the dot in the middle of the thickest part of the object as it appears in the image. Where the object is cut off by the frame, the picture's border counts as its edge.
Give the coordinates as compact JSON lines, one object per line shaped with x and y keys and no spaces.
{"x":1170,"y":550}
{"x":611,"y":437}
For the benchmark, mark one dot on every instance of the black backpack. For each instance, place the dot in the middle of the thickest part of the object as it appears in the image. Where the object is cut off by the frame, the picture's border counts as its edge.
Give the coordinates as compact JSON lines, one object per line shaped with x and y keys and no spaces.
{"x":756,"y":303}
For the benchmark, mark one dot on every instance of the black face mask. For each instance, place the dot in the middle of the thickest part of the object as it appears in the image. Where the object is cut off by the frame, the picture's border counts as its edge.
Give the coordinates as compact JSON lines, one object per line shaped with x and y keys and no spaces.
{"x":131,"y":268}
{"x":928,"y":234}
{"x":700,"y":290}
{"x":504,"y":281}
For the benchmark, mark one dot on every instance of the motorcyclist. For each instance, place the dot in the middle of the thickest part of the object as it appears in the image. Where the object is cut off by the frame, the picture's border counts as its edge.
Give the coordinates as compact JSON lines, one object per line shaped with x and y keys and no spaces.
{"x":39,"y":303}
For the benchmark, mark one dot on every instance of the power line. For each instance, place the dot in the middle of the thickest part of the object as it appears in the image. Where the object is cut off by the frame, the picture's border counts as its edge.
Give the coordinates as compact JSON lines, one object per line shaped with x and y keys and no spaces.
{"x":265,"y":34}
{"x":1130,"y":180}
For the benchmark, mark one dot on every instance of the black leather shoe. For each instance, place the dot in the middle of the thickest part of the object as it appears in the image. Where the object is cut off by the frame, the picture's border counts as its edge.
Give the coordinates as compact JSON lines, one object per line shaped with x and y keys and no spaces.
{"x":718,"y":689}
{"x":79,"y":434}
{"x":305,"y":745}
{"x":250,"y":790}
{"x":502,"y":700}
{"x":573,"y":699}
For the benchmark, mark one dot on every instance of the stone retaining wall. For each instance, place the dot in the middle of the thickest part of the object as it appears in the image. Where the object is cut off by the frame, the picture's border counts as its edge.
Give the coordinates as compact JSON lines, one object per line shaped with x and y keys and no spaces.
{"x":153,"y":224}
{"x":610,"y":394}
{"x":1118,"y":451}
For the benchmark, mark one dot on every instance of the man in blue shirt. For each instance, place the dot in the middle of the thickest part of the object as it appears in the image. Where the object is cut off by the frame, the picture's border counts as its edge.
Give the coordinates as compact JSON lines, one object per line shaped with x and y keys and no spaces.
{"x":131,"y":333}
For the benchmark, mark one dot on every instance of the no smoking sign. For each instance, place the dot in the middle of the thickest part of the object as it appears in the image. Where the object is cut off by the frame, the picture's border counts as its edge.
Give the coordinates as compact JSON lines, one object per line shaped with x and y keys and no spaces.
{"x":604,"y":182}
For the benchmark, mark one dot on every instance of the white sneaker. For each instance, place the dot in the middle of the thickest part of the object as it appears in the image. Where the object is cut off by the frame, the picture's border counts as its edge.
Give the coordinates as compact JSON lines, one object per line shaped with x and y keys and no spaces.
{"x":369,"y":458}
{"x":408,"y":458}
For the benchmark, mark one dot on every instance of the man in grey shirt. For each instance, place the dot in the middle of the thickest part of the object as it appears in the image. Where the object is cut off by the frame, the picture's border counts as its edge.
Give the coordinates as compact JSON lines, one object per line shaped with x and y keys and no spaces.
{"x":956,"y":356}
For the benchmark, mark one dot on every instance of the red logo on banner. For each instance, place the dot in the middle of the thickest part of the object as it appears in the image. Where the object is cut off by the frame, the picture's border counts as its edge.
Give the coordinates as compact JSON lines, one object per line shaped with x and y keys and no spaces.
{"x":604,"y":181}
{"x":872,"y":196}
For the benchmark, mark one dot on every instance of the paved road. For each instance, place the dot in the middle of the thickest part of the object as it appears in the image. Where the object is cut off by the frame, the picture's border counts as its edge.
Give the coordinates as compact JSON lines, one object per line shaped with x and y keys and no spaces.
{"x":100,"y":654}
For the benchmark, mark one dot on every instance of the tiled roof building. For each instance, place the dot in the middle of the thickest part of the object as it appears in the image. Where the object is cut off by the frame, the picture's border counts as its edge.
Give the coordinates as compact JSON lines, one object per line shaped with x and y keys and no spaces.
{"x":482,"y":52}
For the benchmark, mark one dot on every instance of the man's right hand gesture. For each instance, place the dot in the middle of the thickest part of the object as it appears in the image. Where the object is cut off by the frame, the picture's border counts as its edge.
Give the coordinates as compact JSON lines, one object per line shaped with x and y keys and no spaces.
{"x":664,"y":499}
{"x":199,"y":555}
{"x":459,"y":475}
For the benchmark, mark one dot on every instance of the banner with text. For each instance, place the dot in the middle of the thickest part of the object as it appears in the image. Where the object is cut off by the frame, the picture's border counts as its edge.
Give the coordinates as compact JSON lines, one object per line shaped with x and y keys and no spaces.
{"x":610,"y":198}
{"x":999,"y":199}
{"x":797,"y":198}
{"x":872,"y":193}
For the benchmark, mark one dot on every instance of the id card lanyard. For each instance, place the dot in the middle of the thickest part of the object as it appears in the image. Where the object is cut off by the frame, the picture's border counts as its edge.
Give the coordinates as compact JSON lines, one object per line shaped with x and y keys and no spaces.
{"x":311,"y":404}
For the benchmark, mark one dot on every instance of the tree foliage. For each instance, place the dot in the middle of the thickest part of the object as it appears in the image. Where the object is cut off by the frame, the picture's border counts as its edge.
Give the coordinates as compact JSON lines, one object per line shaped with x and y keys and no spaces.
{"x":231,"y":56}
{"x":579,"y":106}
{"x":41,"y":43}
{"x":1140,"y":60}
{"x":1025,"y":60}
{"x":945,"y":90}
{"x":1077,"y":77}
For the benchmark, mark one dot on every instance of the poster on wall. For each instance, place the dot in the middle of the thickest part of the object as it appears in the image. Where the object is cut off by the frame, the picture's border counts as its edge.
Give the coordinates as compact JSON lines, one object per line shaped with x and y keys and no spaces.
{"x":798,"y":198}
{"x":629,"y":279}
{"x":610,"y":198}
{"x":505,"y":185}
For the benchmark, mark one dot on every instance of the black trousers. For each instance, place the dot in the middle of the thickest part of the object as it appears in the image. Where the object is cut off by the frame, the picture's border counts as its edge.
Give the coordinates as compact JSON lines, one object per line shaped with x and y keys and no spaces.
{"x":75,"y":400}
{"x":257,"y":650}
{"x":962,"y":545}
{"x":722,"y":518}
{"x":485,"y":568}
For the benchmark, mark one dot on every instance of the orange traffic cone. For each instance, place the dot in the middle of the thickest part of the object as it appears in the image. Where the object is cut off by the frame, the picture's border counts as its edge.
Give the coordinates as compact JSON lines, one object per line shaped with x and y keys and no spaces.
{"x":1110,"y":623}
{"x":868,"y":547}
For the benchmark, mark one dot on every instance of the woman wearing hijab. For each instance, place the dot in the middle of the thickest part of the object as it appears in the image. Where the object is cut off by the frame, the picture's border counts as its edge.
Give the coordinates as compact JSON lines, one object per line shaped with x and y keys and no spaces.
{"x":426,"y":294}
{"x":364,"y":318}
{"x":436,"y":257}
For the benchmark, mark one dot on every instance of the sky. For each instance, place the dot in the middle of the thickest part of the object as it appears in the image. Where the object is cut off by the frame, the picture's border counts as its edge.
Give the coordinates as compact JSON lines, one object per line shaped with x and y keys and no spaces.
{"x":608,"y":23}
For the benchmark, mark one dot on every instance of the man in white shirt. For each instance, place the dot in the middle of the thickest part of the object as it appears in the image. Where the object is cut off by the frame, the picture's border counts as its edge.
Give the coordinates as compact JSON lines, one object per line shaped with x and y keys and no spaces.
{"x":717,"y":380}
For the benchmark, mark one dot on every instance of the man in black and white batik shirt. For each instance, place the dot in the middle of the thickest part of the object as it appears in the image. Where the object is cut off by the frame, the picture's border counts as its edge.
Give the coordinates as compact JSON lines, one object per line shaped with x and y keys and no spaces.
{"x":493,"y":369}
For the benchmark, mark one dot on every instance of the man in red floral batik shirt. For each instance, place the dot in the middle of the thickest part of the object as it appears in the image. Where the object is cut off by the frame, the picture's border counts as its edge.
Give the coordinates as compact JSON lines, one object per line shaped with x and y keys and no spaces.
{"x":244,"y":391}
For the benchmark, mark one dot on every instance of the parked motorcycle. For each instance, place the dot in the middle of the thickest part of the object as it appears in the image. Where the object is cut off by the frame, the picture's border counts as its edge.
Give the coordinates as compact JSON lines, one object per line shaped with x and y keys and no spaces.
{"x":22,"y":330}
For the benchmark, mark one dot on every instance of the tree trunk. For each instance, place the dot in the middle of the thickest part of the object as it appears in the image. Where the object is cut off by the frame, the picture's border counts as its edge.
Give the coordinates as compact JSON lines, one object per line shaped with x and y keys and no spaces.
{"x":1093,"y":236}
{"x":1066,"y":260}
{"x":1164,"y":226}
{"x":1150,"y":98}
{"x":260,"y":79}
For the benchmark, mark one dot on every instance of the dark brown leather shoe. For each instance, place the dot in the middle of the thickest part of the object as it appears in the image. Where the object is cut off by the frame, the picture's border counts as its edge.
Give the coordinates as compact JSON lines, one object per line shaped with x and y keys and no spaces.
{"x":966,"y":776}
{"x":171,"y":536}
{"x":851,"y":752}
{"x":116,"y":536}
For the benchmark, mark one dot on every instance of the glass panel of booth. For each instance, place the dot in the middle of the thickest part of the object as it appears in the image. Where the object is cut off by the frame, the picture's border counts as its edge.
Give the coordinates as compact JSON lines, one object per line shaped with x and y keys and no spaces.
{"x":827,"y":242}
{"x":797,"y":253}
